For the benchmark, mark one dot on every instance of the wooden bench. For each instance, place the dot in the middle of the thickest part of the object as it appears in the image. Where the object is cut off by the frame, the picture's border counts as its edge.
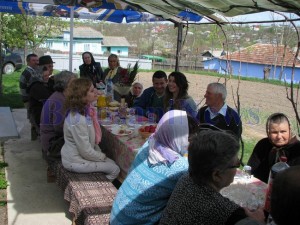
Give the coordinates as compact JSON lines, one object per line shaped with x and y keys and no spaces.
{"x":8,"y":128}
{"x":91,"y":195}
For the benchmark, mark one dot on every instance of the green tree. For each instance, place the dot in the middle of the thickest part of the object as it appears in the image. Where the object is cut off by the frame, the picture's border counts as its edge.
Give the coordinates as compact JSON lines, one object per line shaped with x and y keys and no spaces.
{"x":29,"y":32}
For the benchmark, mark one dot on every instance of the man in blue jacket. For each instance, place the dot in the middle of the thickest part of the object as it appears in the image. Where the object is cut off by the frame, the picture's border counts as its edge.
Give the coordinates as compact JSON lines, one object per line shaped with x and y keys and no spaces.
{"x":151,"y":104}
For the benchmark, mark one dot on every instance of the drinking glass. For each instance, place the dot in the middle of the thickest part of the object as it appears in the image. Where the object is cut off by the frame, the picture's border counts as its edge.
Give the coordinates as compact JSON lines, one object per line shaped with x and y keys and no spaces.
{"x":247,"y":170}
{"x":132,"y":119}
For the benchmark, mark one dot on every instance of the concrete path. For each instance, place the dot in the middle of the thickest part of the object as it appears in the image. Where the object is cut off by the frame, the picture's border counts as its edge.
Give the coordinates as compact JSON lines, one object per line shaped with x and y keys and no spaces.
{"x":31,"y":200}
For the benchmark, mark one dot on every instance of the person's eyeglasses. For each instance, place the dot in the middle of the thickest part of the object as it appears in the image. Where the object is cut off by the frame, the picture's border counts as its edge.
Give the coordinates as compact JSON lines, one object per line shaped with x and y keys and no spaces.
{"x":237,"y":165}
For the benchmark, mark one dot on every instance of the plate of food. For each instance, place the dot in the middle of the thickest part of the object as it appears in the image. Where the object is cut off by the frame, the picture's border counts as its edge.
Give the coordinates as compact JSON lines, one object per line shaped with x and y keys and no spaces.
{"x":121,"y":130}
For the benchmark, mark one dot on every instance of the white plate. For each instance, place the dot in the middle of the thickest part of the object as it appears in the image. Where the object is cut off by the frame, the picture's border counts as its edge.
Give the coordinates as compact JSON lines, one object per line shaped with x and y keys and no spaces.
{"x":106,"y":122}
{"x":116,"y":129}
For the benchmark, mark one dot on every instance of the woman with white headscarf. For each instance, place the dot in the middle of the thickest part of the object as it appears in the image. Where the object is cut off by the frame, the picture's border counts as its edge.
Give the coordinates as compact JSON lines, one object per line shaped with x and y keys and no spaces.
{"x":154,"y":173}
{"x":135,"y":92}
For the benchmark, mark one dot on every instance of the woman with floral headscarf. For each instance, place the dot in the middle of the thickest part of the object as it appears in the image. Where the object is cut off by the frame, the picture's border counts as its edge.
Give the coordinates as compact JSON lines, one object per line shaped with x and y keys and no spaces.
{"x":156,"y":169}
{"x":91,"y":69}
{"x":280,"y":142}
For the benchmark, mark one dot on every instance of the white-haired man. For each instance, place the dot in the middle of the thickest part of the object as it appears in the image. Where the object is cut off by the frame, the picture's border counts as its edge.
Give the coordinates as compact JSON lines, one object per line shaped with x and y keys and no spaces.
{"x":217,"y":112}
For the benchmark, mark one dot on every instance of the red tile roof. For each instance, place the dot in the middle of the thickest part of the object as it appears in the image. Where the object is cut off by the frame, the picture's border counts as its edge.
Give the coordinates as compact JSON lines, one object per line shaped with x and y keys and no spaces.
{"x":266,"y":54}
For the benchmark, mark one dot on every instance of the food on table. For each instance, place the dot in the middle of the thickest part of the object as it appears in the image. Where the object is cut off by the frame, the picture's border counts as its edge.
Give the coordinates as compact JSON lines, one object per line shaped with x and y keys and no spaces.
{"x":113,"y":109}
{"x":122,"y":131}
{"x":114,"y":104}
{"x":149,"y":129}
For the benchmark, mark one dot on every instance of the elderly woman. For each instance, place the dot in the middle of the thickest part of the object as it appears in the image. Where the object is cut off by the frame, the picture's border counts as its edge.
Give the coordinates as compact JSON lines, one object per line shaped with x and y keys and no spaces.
{"x":53,"y":114}
{"x":213,"y":161}
{"x":176,"y":96}
{"x":82,"y":133}
{"x":280,"y":142}
{"x":136,"y":91}
{"x":154,"y":173}
{"x":91,"y":69}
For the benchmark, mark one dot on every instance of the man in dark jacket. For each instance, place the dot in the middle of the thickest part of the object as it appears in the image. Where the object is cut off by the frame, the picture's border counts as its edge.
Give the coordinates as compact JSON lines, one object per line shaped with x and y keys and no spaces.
{"x":39,"y":91}
{"x":151,"y":104}
{"x":217,"y":112}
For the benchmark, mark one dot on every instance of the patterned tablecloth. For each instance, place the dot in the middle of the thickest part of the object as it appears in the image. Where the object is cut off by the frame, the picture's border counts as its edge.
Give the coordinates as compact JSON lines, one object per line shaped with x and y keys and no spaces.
{"x":122,"y":149}
{"x":245,"y":191}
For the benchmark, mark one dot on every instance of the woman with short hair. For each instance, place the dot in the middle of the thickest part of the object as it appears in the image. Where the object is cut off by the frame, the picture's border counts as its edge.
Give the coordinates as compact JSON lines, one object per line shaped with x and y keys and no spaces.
{"x":53,"y":113}
{"x":196,"y":199}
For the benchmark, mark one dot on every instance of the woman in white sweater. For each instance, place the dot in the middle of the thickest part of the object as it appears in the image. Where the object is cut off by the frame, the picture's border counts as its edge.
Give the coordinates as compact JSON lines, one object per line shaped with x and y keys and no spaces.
{"x":82,"y":133}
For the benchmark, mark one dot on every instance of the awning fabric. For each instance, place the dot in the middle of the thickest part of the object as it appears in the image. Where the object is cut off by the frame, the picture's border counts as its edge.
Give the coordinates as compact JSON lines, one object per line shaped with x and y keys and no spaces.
{"x":174,"y":10}
{"x":105,"y":10}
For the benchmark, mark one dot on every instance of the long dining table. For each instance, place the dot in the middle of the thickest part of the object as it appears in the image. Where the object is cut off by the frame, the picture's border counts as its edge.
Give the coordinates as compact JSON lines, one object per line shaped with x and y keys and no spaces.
{"x":244,"y":190}
{"x":121,"y":148}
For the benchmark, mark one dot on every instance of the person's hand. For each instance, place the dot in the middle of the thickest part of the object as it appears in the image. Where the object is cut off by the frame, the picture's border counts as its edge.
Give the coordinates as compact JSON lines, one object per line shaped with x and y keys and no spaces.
{"x":258,"y":214}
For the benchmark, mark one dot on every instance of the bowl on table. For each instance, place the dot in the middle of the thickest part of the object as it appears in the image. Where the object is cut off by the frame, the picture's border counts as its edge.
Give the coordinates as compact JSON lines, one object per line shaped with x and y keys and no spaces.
{"x":146,"y":131}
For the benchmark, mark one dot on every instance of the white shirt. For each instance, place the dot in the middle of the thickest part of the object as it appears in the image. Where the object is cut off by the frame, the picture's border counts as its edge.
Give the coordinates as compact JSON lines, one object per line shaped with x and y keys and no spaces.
{"x":222,"y":111}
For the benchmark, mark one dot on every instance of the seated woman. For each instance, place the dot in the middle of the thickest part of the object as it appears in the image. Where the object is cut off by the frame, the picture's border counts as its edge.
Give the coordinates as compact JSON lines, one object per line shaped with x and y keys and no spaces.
{"x":136,"y":91}
{"x":280,"y":142}
{"x":156,"y":168}
{"x":53,"y":114}
{"x":91,"y":69}
{"x":82,"y":133}
{"x":213,"y":161}
{"x":176,"y":96}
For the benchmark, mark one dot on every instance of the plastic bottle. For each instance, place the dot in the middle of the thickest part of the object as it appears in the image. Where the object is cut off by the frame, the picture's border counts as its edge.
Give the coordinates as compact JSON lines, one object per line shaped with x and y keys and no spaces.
{"x":110,"y":89}
{"x":123,"y":109}
{"x":171,"y":104}
{"x":101,"y":87}
{"x":276,"y":168}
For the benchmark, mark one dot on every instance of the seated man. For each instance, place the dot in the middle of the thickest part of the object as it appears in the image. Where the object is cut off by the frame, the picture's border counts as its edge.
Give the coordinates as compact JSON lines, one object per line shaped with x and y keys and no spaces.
{"x":217,"y":112}
{"x":151,"y":101}
{"x":285,"y":197}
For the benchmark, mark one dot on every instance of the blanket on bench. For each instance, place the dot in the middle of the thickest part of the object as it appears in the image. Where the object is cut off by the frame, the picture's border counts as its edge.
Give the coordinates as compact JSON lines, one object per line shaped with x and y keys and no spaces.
{"x":91,"y":195}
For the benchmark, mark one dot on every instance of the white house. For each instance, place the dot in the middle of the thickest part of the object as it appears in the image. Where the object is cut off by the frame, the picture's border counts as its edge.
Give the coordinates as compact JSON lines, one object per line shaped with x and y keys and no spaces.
{"x":87,"y":39}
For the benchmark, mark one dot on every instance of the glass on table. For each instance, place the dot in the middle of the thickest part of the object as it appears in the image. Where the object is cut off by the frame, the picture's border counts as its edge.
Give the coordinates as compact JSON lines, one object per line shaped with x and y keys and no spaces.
{"x":131,"y":119}
{"x":247,"y":170}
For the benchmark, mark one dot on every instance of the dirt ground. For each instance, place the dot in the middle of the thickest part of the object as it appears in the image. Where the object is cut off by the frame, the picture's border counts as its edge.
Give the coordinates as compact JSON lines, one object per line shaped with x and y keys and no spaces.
{"x":257,"y":100}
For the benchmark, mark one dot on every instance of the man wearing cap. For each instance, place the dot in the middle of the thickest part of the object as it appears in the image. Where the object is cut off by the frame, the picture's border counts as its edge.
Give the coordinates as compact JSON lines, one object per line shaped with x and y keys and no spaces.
{"x":39,"y":90}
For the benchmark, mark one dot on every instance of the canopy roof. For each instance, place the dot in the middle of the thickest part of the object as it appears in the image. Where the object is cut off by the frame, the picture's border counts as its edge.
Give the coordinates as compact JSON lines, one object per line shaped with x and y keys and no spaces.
{"x":175,"y":10}
{"x":105,"y":10}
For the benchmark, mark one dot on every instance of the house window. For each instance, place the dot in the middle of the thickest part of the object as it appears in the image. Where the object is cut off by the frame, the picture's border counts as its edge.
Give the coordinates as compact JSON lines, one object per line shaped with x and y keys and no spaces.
{"x":86,"y":47}
{"x":49,"y":44}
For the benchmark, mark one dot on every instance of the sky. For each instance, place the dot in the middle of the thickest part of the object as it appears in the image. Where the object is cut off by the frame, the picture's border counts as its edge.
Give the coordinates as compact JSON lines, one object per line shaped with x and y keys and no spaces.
{"x":264,"y":16}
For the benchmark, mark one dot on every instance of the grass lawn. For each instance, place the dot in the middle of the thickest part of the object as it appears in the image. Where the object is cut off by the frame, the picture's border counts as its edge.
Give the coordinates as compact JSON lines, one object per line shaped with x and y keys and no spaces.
{"x":11,"y":92}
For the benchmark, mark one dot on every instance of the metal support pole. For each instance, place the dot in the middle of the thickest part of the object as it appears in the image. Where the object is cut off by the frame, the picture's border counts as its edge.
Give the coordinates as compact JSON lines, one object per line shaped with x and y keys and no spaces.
{"x":179,"y":45}
{"x":71,"y":38}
